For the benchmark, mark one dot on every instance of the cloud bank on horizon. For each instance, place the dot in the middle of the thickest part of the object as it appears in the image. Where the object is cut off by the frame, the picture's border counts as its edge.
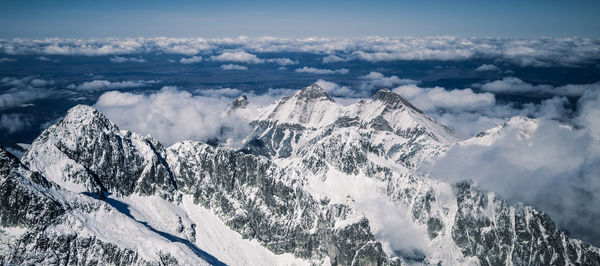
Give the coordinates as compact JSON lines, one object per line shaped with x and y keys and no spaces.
{"x":540,"y":52}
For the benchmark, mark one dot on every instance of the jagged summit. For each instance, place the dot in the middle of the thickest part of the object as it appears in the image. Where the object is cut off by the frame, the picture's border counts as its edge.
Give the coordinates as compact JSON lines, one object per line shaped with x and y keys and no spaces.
{"x":523,"y":126}
{"x":239,"y":103}
{"x":393,"y":100}
{"x":87,"y":115}
{"x":314,"y":92}
{"x":309,"y":107}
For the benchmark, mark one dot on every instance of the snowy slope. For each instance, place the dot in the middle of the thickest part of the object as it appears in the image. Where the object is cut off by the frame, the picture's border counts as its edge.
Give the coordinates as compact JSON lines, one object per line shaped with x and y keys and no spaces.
{"x":524,"y":127}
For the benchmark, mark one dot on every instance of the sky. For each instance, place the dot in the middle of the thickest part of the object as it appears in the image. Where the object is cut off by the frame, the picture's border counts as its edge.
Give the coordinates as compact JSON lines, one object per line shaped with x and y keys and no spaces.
{"x":230,"y":18}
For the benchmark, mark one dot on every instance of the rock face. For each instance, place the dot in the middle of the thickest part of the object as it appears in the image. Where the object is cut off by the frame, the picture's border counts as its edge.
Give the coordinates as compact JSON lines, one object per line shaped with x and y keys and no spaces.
{"x":315,"y":183}
{"x":261,"y":201}
{"x":513,"y":234}
{"x":239,"y":103}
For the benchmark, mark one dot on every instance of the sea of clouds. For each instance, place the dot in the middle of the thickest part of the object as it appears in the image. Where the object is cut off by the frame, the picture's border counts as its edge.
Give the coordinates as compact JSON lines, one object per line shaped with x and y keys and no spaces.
{"x":541,"y":52}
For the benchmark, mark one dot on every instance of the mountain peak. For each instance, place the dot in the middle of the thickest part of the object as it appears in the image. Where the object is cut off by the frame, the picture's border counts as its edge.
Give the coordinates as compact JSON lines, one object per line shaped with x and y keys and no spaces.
{"x":393,"y":100}
{"x":239,"y":103}
{"x":85,"y":114}
{"x":314,"y":92}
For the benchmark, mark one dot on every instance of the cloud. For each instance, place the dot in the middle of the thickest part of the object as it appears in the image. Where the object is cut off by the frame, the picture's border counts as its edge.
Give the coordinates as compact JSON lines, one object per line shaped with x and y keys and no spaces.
{"x":282,"y":61}
{"x":191,"y":60}
{"x":119,"y":59}
{"x":378,"y":80}
{"x":12,"y":123}
{"x":167,"y":115}
{"x":536,"y":52}
{"x":97,"y":85}
{"x":220,"y":93}
{"x":336,"y":90}
{"x":334,"y":59}
{"x":555,"y":168}
{"x":43,"y":58}
{"x":233,"y":67}
{"x":184,"y":46}
{"x":425,"y":54}
{"x":23,"y":91}
{"x":237,"y":56}
{"x":431,"y":99}
{"x":487,"y":67}
{"x":513,"y":85}
{"x":313,"y":70}
{"x":25,"y":81}
{"x":6,"y":59}
{"x":40,"y":82}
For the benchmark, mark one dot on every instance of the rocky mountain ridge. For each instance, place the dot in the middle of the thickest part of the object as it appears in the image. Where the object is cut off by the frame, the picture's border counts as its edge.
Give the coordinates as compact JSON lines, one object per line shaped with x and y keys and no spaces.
{"x":315,"y":183}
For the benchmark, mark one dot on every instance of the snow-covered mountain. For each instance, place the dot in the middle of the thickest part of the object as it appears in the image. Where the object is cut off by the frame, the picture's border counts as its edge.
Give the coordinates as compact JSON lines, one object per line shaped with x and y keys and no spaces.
{"x":314,"y":183}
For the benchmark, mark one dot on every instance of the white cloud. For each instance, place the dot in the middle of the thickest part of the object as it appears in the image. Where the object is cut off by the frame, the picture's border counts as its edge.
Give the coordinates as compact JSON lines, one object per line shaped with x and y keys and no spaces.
{"x":282,"y":61}
{"x":487,"y":67}
{"x":313,"y":70}
{"x":425,"y":54}
{"x":191,"y":60}
{"x":14,"y":122}
{"x":431,"y":99}
{"x":556,"y":169}
{"x":336,"y":90}
{"x":119,"y":59}
{"x":237,"y":56}
{"x":334,"y":59}
{"x":540,"y":52}
{"x":96,"y":85}
{"x":172,"y":115}
{"x":40,"y":82}
{"x":220,"y":93}
{"x":43,"y":58}
{"x":376,"y":79}
{"x":6,"y":59}
{"x":234,"y":67}
{"x":513,"y":85}
{"x":22,"y":91}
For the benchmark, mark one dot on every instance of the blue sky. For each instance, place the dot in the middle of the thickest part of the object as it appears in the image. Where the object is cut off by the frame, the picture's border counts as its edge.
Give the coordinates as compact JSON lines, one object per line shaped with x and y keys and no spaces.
{"x":89,"y":19}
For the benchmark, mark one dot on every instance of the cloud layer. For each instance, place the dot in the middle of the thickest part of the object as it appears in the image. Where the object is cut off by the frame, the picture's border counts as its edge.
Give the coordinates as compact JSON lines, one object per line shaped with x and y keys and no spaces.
{"x":556,"y":168}
{"x":541,"y":52}
{"x":320,"y":71}
{"x":513,"y":85}
{"x":172,"y":115}
{"x":98,"y":85}
{"x":22,"y":91}
{"x":234,"y":67}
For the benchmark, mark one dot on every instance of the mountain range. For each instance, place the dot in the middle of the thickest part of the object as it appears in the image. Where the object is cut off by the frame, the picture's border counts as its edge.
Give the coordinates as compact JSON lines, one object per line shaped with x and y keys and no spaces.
{"x":313,"y":183}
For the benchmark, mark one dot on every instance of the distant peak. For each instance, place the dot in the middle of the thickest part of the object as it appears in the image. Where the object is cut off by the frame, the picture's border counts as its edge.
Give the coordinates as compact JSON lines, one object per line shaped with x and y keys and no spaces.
{"x":314,"y":92}
{"x":239,"y":103}
{"x":85,"y":114}
{"x":393,"y":100}
{"x":83,"y":110}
